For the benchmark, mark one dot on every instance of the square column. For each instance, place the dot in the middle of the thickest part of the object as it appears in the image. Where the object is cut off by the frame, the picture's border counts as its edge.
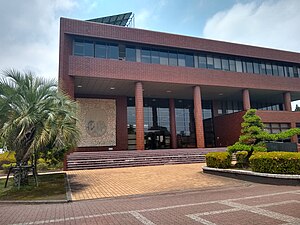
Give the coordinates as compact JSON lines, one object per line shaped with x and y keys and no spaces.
{"x":139,"y":113}
{"x":287,"y":101}
{"x":172,"y":123}
{"x":294,"y":139}
{"x":246,"y":99}
{"x":198,"y":118}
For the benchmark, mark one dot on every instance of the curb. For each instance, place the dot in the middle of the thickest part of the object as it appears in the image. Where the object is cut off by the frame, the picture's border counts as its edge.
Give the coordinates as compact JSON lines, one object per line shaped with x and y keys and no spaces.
{"x":265,"y":178}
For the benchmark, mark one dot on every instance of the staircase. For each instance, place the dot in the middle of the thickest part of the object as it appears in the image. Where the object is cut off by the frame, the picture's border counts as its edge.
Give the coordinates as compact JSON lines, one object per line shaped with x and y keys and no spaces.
{"x":130,"y":158}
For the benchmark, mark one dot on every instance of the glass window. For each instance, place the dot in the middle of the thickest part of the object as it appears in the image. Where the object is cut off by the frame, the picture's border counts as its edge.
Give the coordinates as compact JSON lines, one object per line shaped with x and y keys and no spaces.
{"x":232,"y":65}
{"x":269,"y":69}
{"x":262,"y":68}
{"x":145,"y":54}
{"x":202,"y":62}
{"x":210,"y":62}
{"x":217,"y":63}
{"x":249,"y":67}
{"x":130,"y":54}
{"x":298,"y":71}
{"x":155,"y":57}
{"x":239,"y":67}
{"x":113,"y":51}
{"x":89,"y":48}
{"x":225,"y":64}
{"x":291,"y":71}
{"x":280,"y":71}
{"x":244,"y":67}
{"x":181,"y":60}
{"x":275,"y":69}
{"x":256,"y":68}
{"x":172,"y":59}
{"x":295,"y":71}
{"x":78,"y":47}
{"x":286,"y":71}
{"x":100,"y":50}
{"x":189,"y":60}
{"x":163,"y":57}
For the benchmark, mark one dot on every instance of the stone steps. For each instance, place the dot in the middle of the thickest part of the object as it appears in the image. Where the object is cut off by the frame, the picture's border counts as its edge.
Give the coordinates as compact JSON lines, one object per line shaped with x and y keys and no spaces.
{"x":118,"y":159}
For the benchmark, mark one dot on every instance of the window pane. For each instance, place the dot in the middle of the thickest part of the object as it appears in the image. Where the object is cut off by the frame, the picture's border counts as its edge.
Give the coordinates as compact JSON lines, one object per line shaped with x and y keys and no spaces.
{"x":155,"y":57}
{"x":244,"y":67}
{"x":210,"y":62}
{"x":280,"y":71}
{"x":163,"y":57}
{"x":89,"y":48}
{"x":130,"y":54}
{"x":181,"y":60}
{"x":189,"y":60}
{"x":275,"y":69}
{"x":232,"y":65}
{"x":113,"y":51}
{"x":256,"y":68}
{"x":225,"y":64}
{"x":239,"y":67}
{"x":145,"y":53}
{"x":172,"y":59}
{"x":262,"y":68}
{"x":295,"y":71}
{"x":202,"y":62}
{"x":78,"y":48}
{"x":217,"y":63}
{"x":286,"y":71}
{"x":269,"y":69}
{"x":249,"y":67}
{"x":291,"y":71}
{"x":100,"y":50}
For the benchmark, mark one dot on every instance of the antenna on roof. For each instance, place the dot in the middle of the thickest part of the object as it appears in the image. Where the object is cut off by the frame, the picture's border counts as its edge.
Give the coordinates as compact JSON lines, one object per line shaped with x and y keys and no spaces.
{"x":125,"y":20}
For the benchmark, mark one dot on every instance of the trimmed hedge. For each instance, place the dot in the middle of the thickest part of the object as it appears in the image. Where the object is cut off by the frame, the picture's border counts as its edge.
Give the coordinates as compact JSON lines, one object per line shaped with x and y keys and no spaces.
{"x":241,"y":159}
{"x":218,"y":159}
{"x":275,"y":162}
{"x":7,"y":158}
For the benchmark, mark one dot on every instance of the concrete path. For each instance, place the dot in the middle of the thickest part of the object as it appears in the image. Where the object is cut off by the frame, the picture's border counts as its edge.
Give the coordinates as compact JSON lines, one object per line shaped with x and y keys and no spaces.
{"x":103,"y":183}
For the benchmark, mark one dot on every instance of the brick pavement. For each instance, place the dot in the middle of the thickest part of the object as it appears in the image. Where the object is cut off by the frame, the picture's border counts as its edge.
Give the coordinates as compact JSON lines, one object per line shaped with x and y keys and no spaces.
{"x":91,"y":184}
{"x":240,"y":205}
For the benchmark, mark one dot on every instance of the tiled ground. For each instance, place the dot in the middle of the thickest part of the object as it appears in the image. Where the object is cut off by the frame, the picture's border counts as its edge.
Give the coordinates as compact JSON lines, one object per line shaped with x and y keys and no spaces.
{"x":101,"y":183}
{"x":253,"y":204}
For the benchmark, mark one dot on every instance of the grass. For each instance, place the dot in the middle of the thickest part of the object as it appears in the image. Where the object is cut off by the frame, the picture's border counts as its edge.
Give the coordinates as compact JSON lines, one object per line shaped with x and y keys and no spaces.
{"x":51,"y":187}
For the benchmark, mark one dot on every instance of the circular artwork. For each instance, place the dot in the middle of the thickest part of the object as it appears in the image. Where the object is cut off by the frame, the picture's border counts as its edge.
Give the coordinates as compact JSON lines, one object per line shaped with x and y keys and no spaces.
{"x":96,"y":128}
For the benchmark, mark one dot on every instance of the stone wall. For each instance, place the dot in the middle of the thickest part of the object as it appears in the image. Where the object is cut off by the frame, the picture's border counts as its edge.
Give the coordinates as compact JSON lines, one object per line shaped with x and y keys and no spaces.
{"x":97,"y":122}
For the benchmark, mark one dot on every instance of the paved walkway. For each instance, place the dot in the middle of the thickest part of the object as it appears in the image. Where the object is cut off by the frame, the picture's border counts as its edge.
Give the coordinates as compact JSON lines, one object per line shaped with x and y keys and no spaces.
{"x":103,"y":183}
{"x":254,"y":204}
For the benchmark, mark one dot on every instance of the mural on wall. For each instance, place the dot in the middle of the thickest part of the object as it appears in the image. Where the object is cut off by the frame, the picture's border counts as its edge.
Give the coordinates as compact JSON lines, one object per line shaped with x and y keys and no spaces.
{"x":97,"y":122}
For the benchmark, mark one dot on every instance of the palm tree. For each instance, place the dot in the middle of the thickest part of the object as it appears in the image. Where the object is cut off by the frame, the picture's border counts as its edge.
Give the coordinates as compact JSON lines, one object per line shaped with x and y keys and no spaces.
{"x":33,"y":115}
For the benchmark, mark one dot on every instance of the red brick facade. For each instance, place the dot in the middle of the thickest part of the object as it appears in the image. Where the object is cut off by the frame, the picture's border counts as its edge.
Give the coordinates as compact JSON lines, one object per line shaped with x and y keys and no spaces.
{"x":227,"y":128}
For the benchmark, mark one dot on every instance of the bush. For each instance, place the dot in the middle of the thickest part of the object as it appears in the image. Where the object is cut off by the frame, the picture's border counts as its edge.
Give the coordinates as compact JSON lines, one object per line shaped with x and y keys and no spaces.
{"x":6,"y":167}
{"x":276,"y":162}
{"x":241,"y":159}
{"x":42,"y":166}
{"x":7,"y":158}
{"x":218,"y":159}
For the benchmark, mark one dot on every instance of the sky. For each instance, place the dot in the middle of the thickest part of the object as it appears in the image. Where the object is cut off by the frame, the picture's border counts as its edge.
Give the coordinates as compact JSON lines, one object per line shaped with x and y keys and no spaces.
{"x":29,"y":33}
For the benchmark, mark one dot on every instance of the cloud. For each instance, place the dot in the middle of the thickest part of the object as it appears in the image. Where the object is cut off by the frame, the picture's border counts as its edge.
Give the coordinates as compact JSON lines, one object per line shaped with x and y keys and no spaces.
{"x":273,"y":24}
{"x":30,"y":33}
{"x":269,"y":23}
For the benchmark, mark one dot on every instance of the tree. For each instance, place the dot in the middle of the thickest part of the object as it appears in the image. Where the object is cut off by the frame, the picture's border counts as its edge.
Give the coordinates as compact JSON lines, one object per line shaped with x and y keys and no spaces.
{"x":253,"y":136}
{"x":34,"y":115}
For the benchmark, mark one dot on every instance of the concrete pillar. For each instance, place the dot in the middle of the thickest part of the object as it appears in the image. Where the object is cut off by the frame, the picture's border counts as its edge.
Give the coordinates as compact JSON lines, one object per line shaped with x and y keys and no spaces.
{"x":172,"y":123}
{"x":287,"y":101}
{"x":198,"y":118}
{"x":139,"y":113}
{"x":246,"y":99}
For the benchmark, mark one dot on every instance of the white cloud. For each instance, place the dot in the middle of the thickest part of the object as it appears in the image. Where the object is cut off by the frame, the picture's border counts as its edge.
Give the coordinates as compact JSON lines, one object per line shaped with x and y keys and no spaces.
{"x":29,"y":35}
{"x":271,"y":23}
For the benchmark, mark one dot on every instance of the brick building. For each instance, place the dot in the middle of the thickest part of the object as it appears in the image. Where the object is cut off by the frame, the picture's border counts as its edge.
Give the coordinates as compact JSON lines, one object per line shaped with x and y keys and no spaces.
{"x":141,"y":89}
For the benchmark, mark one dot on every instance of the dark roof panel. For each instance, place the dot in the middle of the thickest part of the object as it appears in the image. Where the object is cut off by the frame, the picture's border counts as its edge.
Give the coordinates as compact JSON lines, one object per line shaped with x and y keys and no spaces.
{"x":120,"y":19}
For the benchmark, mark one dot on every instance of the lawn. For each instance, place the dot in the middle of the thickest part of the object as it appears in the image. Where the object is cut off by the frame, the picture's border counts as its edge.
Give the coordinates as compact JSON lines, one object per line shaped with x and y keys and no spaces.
{"x":51,"y":187}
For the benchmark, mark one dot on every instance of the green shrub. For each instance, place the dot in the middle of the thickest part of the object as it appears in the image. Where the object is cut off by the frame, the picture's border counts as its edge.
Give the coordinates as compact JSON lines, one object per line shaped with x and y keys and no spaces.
{"x":6,"y":167}
{"x":42,"y":166}
{"x":276,"y":162}
{"x":218,"y":159}
{"x":7,"y":158}
{"x":241,"y":159}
